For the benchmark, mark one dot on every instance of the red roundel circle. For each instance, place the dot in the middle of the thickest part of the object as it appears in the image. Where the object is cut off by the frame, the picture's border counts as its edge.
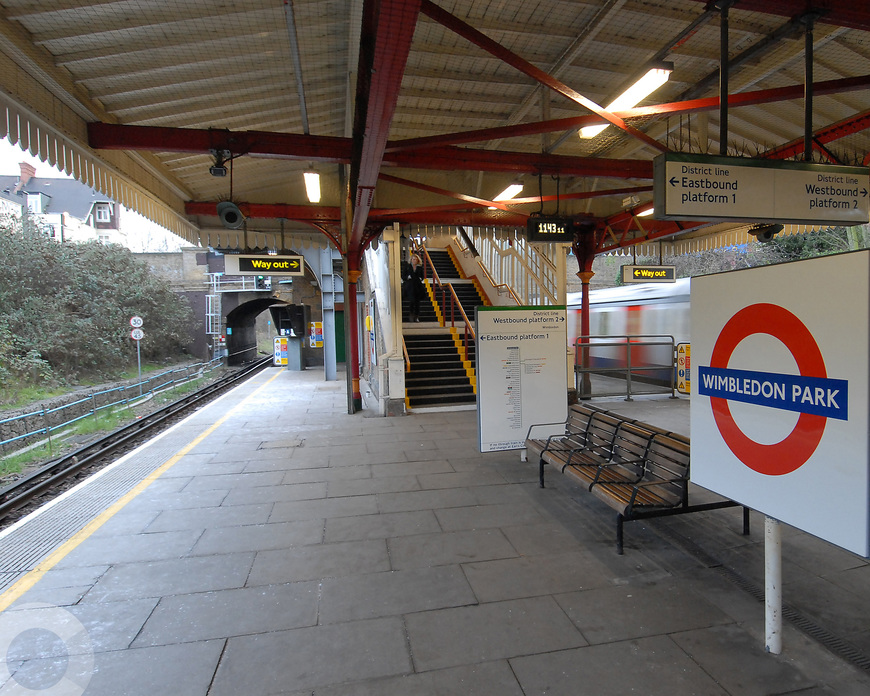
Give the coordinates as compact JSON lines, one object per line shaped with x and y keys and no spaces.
{"x":794,"y":451}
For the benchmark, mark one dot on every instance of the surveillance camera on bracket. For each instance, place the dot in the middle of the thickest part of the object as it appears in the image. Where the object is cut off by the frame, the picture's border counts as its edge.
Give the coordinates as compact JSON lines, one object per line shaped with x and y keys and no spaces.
{"x":765,"y":233}
{"x":230,"y":215}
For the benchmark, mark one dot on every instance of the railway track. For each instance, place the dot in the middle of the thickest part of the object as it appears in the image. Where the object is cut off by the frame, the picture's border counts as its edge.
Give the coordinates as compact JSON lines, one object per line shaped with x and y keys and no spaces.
{"x":36,"y":488}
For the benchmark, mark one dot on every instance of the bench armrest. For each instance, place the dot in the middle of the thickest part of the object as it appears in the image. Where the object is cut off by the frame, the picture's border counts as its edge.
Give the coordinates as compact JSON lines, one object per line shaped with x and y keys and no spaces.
{"x":541,"y":425}
{"x":605,"y":465}
{"x":646,"y":484}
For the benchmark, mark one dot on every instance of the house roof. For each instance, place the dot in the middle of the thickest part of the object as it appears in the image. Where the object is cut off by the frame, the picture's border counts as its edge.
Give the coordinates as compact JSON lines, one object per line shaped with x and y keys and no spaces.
{"x":65,"y":195}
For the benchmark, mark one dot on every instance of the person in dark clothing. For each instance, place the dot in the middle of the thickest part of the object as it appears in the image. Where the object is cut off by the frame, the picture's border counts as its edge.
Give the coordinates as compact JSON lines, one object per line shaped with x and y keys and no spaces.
{"x":414,"y":287}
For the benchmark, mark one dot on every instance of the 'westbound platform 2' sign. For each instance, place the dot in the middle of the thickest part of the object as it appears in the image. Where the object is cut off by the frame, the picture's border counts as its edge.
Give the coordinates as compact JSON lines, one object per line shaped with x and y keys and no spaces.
{"x":779,"y":417}
{"x":708,"y":187}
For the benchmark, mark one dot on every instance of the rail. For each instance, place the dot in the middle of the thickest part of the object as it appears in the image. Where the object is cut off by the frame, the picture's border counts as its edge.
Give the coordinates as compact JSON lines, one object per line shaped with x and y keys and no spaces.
{"x":500,"y":288}
{"x":603,"y":364}
{"x":46,"y":421}
{"x":406,"y":355}
{"x":447,"y":291}
{"x":468,"y":334}
{"x":48,"y":479}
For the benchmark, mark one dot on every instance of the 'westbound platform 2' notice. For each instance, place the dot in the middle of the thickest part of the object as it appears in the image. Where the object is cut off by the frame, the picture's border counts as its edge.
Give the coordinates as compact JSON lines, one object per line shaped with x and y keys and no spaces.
{"x":522,"y":372}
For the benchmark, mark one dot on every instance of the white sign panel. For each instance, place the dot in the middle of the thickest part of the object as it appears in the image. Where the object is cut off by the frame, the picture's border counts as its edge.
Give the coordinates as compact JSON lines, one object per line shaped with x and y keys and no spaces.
{"x":522,"y":375}
{"x":780,"y":404}
{"x":703,"y":187}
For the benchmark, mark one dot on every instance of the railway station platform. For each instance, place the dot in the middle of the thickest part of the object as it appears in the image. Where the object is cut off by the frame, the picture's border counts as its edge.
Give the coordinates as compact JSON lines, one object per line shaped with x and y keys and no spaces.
{"x":273,"y":544}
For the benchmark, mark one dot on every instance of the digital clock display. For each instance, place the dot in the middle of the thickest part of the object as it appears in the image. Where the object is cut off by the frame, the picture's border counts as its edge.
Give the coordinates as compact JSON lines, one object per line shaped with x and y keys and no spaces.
{"x":550,"y":229}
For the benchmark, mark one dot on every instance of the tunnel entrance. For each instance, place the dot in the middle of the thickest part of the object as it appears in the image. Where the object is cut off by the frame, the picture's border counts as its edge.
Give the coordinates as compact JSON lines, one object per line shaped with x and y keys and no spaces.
{"x":247,"y":338}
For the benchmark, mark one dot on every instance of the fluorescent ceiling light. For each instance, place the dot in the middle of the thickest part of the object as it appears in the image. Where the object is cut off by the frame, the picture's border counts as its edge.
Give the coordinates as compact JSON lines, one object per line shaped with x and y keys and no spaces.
{"x":640,"y":90}
{"x":312,"y":186}
{"x":646,"y":213}
{"x":509,"y":192}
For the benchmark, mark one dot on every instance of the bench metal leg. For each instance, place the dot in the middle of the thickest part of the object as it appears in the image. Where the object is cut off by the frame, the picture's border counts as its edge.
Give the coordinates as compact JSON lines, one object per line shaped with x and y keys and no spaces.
{"x":619,"y":521}
{"x":745,"y":521}
{"x":541,"y":471}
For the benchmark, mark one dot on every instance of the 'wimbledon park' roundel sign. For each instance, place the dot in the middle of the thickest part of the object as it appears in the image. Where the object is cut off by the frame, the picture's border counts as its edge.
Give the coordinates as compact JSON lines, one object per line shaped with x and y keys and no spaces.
{"x":810,"y":393}
{"x":782,"y":393}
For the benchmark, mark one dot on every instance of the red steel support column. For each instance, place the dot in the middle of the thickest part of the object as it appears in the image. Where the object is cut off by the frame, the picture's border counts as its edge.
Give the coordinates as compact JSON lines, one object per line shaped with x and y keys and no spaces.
{"x":584,"y":252}
{"x":351,"y":310}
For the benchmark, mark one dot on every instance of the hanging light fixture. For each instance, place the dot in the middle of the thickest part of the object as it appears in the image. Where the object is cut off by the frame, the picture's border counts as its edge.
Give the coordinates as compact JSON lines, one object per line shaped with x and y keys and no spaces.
{"x":654,"y":78}
{"x":512,"y":191}
{"x":312,"y":186}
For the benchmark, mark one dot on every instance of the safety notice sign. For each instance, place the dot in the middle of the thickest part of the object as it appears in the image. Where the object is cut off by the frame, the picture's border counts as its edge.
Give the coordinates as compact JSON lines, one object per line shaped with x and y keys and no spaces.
{"x":779,"y":417}
{"x":684,"y":368}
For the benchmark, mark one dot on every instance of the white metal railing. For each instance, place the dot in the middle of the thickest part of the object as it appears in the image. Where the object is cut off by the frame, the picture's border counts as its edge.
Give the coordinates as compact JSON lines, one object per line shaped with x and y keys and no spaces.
{"x":528,"y":269}
{"x":649,"y":358}
{"x":226,"y":283}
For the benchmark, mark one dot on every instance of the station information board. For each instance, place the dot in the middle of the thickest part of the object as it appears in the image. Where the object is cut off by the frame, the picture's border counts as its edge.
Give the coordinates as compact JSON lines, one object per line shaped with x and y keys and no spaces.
{"x":780,"y":375}
{"x":522,"y":372}
{"x":708,"y":187}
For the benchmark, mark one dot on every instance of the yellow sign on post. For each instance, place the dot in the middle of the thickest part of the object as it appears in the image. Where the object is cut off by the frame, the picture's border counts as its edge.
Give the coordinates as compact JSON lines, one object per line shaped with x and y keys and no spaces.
{"x":315,"y":334}
{"x":280,"y":357}
{"x":684,"y":368}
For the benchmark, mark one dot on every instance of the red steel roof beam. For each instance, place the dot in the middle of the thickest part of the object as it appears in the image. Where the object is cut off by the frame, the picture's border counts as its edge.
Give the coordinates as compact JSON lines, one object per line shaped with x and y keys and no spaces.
{"x":444,"y":192}
{"x":764,"y":96}
{"x":110,"y":136}
{"x":841,"y":129}
{"x":482,"y":41}
{"x":388,"y":27}
{"x":460,"y":158}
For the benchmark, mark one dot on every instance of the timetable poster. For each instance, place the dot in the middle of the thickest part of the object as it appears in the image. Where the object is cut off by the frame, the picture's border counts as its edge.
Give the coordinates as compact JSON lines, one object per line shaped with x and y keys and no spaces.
{"x":522,"y":373}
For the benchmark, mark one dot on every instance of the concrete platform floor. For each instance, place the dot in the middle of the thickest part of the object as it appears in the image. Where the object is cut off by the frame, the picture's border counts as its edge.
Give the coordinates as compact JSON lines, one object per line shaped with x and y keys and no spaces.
{"x":289,"y":548}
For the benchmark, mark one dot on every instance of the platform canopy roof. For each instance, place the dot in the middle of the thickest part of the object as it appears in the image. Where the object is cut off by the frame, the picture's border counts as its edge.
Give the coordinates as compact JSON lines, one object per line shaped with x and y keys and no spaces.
{"x":417,"y":111}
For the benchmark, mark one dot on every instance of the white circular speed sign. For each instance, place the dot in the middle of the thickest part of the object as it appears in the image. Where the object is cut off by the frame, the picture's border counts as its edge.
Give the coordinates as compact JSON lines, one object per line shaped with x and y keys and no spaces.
{"x":136,"y":322}
{"x":137,"y":334}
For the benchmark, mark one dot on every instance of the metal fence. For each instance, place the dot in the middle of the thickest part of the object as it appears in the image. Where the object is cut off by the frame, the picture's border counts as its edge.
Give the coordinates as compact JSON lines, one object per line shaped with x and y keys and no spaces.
{"x":624,"y":365}
{"x":28,"y":430}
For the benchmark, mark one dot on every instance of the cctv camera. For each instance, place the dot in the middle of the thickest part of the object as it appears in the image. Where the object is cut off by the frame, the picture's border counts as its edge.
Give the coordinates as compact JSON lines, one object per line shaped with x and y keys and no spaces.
{"x":230,"y":215}
{"x":765,"y":233}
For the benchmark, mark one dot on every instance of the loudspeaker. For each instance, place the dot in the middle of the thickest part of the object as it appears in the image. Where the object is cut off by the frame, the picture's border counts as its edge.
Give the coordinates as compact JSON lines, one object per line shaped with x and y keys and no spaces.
{"x":230,"y":215}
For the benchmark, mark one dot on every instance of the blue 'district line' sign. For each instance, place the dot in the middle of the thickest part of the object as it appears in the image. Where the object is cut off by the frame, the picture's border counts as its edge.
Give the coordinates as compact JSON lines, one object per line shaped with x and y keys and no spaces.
{"x":819,"y":396}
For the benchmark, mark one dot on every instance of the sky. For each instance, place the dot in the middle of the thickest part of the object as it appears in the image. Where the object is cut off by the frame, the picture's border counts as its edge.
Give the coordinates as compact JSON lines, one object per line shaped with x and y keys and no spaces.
{"x":142,"y":234}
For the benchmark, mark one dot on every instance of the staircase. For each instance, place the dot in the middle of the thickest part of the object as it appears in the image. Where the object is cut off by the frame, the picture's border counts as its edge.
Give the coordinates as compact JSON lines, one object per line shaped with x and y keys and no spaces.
{"x":466,"y":290}
{"x":438,"y":375}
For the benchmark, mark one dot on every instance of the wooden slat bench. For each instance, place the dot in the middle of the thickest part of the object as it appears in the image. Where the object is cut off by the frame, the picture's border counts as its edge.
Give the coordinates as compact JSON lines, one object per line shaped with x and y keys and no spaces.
{"x":637,"y":469}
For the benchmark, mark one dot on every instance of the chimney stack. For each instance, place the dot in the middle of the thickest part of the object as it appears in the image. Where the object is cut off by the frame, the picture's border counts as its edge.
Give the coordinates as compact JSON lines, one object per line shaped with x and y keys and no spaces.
{"x":28,"y":171}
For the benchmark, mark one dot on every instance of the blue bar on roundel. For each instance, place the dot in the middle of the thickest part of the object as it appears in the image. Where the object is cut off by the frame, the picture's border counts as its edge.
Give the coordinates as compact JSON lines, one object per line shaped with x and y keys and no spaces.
{"x":819,"y":396}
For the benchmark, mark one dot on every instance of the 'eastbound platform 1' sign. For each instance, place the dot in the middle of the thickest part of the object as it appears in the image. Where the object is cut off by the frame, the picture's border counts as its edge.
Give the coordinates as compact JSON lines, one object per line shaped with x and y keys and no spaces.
{"x":779,"y":417}
{"x":708,"y":187}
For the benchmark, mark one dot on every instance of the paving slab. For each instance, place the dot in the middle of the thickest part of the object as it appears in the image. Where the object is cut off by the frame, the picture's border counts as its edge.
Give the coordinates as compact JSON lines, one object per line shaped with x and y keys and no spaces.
{"x":301,"y":550}
{"x":307,"y":658}
{"x":493,"y":631}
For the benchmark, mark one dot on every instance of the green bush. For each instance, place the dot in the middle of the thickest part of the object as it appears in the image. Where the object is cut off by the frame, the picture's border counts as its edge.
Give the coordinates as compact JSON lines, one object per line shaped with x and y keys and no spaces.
{"x":65,"y":309}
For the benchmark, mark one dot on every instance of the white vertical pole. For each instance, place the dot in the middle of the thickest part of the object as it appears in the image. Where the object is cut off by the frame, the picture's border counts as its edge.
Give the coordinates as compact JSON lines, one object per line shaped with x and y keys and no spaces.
{"x":139,"y":366}
{"x":773,"y":585}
